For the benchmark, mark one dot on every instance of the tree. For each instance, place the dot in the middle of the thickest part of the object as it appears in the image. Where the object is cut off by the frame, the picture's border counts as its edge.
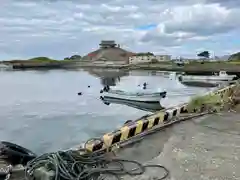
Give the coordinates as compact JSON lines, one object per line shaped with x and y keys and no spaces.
{"x":204,"y":54}
{"x":234,"y":57}
{"x":74,"y":57}
{"x":145,"y":54}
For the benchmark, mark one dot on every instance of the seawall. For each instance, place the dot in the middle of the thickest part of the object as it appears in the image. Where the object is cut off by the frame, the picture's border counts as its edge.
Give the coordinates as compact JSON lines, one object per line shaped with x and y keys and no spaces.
{"x":148,"y":122}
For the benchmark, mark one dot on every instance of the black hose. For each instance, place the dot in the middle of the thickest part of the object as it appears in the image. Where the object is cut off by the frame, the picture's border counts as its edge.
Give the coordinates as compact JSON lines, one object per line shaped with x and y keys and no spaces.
{"x":72,"y":165}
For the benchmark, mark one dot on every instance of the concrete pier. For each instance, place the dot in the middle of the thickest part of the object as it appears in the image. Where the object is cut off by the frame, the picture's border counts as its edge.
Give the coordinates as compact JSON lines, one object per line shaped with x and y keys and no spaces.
{"x":207,"y":148}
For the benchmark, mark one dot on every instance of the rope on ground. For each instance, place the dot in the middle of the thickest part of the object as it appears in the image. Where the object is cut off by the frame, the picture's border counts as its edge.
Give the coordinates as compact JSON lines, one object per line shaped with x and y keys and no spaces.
{"x":72,"y":165}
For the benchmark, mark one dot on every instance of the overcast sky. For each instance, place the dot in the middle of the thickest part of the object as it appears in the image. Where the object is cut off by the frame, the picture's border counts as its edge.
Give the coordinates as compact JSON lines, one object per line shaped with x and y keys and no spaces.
{"x":58,"y":28}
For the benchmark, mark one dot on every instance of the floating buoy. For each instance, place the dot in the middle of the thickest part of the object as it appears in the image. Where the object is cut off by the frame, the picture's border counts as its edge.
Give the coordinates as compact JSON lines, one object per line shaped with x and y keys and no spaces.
{"x":15,"y":154}
{"x":88,"y":86}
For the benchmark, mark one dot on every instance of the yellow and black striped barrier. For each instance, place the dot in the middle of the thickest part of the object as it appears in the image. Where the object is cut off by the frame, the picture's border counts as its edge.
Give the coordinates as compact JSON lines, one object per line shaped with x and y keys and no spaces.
{"x":133,"y":128}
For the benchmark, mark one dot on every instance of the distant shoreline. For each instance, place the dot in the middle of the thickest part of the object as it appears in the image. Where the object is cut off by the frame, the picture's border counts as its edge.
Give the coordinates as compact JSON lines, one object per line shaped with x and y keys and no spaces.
{"x":195,"y":67}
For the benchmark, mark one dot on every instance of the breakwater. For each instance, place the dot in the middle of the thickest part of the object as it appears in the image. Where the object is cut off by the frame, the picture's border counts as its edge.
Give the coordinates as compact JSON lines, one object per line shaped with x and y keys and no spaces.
{"x":191,"y":69}
{"x":146,"y":123}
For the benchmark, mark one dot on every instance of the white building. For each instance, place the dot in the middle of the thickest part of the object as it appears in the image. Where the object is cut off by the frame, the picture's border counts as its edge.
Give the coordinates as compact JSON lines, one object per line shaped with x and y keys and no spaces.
{"x":148,"y":59}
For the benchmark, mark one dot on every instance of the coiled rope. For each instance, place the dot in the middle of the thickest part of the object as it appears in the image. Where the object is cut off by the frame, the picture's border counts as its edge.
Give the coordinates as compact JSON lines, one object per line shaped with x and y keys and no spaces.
{"x":83,"y":165}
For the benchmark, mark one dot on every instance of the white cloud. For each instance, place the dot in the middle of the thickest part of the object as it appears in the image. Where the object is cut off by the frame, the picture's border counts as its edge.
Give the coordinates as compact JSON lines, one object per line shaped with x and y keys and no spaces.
{"x":44,"y":27}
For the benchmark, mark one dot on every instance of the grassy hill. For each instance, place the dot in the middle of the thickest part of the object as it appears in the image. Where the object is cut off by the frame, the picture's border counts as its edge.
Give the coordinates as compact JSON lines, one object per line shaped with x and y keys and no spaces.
{"x":235,"y":57}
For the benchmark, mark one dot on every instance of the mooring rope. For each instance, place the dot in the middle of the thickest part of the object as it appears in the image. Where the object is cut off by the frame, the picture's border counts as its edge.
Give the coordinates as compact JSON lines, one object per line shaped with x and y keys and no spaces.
{"x":74,"y":165}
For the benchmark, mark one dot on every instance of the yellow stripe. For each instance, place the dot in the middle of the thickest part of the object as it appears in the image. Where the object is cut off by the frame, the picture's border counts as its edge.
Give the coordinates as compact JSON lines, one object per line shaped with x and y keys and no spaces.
{"x":89,"y":146}
{"x":161,"y":116}
{"x":139,"y":125}
{"x":125,"y":132}
{"x":107,"y":139}
{"x":151,"y":121}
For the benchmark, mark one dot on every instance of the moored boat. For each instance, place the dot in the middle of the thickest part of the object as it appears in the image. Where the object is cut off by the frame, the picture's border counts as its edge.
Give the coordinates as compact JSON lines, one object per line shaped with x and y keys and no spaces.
{"x":221,"y":76}
{"x":5,"y":67}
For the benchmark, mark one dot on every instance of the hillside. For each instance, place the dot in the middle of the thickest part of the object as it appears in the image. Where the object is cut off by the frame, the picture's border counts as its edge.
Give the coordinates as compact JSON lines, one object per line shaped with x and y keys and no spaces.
{"x":111,"y":54}
{"x":234,"y":57}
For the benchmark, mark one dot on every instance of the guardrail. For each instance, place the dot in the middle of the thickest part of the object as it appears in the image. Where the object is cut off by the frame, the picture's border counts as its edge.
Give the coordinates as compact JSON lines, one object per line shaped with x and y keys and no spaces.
{"x":146,"y":123}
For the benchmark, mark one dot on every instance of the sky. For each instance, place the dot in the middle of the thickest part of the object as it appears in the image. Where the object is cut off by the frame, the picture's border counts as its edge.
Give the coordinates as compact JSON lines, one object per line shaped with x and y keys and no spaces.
{"x":61,"y":28}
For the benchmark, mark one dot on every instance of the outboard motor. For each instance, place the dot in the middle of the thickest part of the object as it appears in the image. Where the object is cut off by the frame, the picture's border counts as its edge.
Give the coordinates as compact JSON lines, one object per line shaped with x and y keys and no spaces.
{"x":145,"y":85}
{"x":106,"y":88}
{"x":15,"y":154}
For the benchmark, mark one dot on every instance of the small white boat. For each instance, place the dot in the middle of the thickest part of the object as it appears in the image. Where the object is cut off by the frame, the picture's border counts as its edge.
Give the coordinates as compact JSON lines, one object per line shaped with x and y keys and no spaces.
{"x":221,"y":76}
{"x":5,"y":67}
{"x":146,"y":97}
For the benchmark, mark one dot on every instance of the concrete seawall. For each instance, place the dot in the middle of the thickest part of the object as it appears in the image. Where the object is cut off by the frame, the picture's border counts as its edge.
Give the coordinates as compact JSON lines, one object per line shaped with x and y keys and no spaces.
{"x":146,"y":123}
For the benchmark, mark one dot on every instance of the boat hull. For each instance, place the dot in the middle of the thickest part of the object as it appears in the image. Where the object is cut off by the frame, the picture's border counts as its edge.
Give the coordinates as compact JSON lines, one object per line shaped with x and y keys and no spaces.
{"x":153,"y":98}
{"x":200,"y":83}
{"x":206,"y":78}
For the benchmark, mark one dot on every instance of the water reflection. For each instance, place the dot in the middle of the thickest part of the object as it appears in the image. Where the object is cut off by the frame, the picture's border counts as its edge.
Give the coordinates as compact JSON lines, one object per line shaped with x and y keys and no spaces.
{"x":108,"y":77}
{"x":151,"y":107}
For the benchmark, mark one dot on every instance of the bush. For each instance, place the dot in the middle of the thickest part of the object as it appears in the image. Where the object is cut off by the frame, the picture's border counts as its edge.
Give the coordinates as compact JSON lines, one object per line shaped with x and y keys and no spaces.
{"x":42,"y":59}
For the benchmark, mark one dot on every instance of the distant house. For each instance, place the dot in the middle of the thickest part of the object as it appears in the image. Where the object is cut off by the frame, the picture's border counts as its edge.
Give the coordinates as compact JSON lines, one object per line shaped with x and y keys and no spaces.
{"x":107,"y":44}
{"x":136,"y":59}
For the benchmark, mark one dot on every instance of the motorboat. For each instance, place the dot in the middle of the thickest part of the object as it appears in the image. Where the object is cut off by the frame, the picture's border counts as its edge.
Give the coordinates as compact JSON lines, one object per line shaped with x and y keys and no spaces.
{"x":4,"y":67}
{"x":221,"y":76}
{"x":139,"y":96}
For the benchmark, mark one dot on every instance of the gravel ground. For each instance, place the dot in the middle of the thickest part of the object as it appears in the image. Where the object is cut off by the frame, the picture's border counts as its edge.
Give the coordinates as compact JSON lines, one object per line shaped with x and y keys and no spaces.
{"x":206,"y":148}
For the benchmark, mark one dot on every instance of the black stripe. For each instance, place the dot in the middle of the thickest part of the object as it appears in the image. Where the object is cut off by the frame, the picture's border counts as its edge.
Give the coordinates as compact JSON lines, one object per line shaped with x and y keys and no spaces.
{"x":132,"y":132}
{"x":117,"y":137}
{"x":175,"y":112}
{"x":166,"y":115}
{"x":183,"y":110}
{"x":156,"y":121}
{"x":145,"y":125}
{"x":97,"y":146}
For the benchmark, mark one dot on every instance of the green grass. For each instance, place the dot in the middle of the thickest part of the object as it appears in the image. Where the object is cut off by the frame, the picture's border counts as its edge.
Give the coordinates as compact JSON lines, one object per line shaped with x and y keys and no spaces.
{"x":42,"y":59}
{"x":213,"y":101}
{"x":234,"y":62}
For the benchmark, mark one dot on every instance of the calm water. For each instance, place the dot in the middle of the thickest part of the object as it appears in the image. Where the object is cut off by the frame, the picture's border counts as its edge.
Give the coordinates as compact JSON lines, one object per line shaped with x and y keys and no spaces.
{"x":42,"y":111}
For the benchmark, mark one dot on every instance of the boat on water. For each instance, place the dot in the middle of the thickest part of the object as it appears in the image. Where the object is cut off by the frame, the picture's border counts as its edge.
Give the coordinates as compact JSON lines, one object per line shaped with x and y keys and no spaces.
{"x":221,"y":76}
{"x":138,"y":96}
{"x":4,"y":67}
